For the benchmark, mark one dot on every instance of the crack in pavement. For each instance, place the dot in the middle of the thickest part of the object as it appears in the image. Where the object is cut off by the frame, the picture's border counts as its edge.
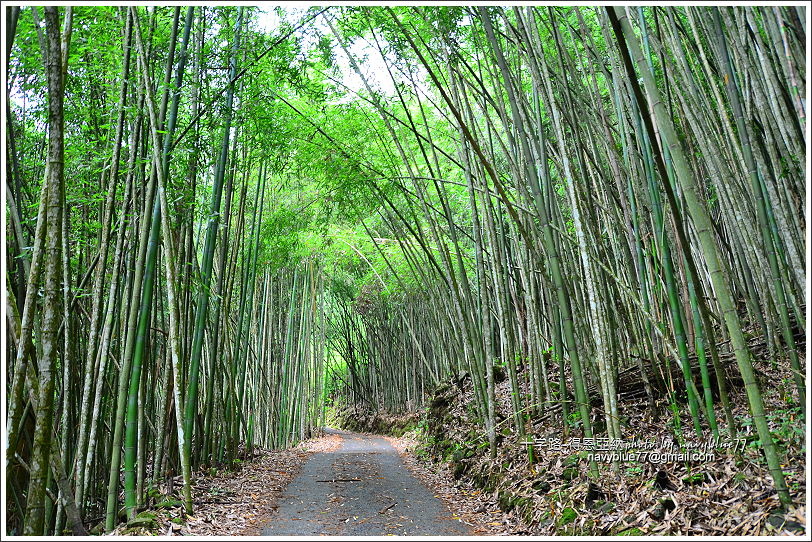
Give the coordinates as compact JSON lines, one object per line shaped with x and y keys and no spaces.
{"x":361,"y":489}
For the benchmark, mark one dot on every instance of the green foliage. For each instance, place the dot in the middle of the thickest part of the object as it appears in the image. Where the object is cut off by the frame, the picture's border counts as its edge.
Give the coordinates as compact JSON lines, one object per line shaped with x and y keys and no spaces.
{"x":568,"y":515}
{"x":334,"y":378}
{"x":633,"y":470}
{"x":633,"y":531}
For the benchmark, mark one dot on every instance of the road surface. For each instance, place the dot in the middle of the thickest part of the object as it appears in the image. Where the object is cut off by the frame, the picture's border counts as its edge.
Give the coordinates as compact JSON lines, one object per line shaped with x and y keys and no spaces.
{"x":360,"y":489}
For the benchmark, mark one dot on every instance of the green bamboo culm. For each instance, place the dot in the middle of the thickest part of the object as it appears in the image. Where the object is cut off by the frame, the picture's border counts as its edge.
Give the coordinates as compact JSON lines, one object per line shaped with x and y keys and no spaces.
{"x":718,"y":273}
{"x":762,"y":205}
{"x":208,"y":252}
{"x":138,"y":317}
{"x":131,"y":435}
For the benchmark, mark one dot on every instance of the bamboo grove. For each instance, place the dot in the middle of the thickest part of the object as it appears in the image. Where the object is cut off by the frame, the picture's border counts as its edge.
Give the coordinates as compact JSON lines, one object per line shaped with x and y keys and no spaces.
{"x":211,"y":236}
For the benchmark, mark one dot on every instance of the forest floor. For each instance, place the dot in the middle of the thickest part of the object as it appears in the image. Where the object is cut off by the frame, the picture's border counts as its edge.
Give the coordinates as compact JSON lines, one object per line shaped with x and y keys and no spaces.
{"x":727,"y":493}
{"x":232,"y":502}
{"x":477,"y":508}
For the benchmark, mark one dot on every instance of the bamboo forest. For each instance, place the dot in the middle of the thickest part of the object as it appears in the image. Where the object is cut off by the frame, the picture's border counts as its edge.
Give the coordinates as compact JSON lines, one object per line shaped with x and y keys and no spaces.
{"x":453,"y":270}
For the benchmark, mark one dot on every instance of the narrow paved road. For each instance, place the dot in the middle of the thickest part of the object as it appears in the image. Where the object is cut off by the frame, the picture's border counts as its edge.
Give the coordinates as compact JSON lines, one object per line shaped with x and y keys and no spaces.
{"x":360,"y":489}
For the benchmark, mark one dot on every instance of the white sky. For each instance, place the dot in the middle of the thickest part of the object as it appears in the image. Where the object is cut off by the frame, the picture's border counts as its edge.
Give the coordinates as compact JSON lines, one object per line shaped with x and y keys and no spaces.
{"x":372,"y":66}
{"x":367,"y":56}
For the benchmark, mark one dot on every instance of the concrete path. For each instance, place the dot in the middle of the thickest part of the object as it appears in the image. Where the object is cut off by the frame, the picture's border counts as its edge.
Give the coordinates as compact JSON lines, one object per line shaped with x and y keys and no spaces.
{"x":360,"y":489}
